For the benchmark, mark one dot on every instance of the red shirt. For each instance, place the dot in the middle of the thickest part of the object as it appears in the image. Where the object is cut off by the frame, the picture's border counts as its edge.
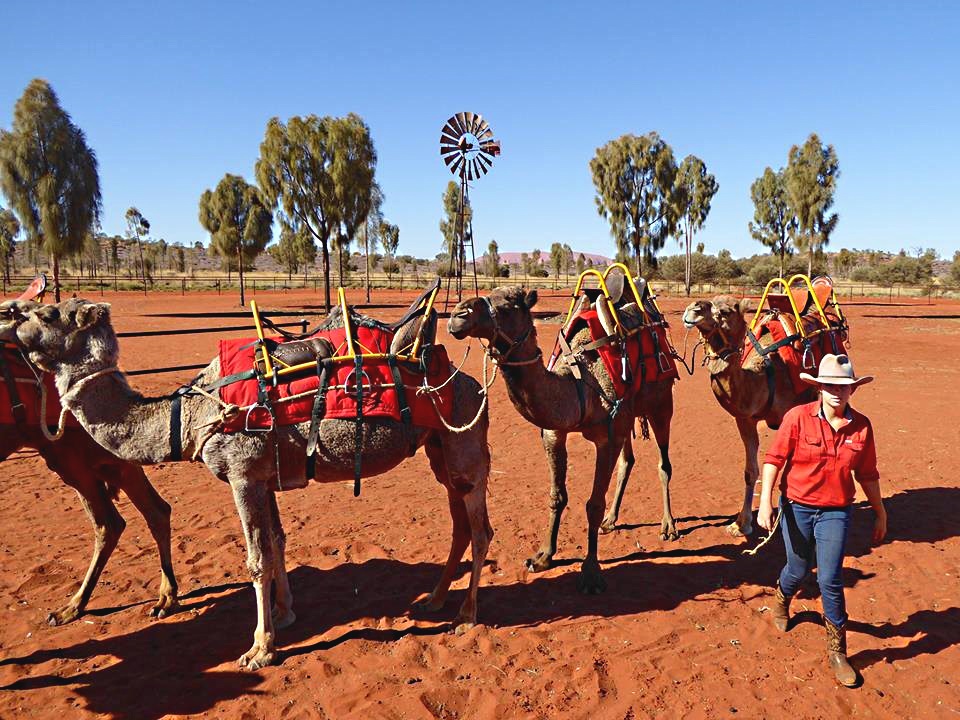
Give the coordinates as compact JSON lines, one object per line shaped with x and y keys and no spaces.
{"x":817,"y":460}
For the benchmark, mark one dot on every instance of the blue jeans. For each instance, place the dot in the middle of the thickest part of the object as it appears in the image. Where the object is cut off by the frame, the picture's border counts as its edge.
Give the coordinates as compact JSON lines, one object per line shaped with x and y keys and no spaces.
{"x":822,"y":531}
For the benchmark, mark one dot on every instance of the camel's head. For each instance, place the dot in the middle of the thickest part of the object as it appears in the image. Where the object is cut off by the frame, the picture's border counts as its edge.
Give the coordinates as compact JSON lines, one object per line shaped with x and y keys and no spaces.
{"x":74,"y":332}
{"x":12,"y":313}
{"x":724,"y":312}
{"x":502,"y":316}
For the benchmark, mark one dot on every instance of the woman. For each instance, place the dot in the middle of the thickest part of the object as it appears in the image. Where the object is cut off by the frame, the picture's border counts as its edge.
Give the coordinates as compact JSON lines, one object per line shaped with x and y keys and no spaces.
{"x":821,"y":447}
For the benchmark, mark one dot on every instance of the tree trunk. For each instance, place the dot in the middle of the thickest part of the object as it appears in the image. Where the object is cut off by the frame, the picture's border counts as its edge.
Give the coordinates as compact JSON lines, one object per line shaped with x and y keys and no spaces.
{"x":810,"y":261}
{"x":325,"y":251}
{"x":366,"y":260}
{"x":688,"y":269}
{"x":56,"y":278}
{"x":240,"y":271}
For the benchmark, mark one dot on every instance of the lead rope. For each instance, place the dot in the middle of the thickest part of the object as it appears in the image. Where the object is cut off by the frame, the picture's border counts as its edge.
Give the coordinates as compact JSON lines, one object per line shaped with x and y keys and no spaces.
{"x":82,"y":383}
{"x":773,"y":531}
{"x":431,"y":393}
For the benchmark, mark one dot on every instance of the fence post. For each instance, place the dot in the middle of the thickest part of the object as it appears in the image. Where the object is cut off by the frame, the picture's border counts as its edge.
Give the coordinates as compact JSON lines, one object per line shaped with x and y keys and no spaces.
{"x":183,"y":286}
{"x":218,"y":287}
{"x":303,"y":326}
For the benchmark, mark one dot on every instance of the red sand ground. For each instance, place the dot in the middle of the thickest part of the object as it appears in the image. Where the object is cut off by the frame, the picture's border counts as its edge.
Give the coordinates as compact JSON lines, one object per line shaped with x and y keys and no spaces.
{"x":681,"y":632}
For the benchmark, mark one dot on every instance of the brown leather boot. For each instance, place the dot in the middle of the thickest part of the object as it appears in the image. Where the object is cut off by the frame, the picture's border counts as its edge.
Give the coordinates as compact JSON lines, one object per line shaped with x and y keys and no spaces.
{"x":837,"y":655}
{"x":781,"y":610}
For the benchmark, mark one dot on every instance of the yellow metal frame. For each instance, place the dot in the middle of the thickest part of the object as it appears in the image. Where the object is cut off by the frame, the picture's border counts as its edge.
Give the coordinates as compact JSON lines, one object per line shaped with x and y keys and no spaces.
{"x":786,"y":285}
{"x":270,"y":371}
{"x":602,"y":280}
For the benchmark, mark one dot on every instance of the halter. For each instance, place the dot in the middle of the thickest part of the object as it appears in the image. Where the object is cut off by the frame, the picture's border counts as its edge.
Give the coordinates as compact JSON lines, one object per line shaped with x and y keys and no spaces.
{"x":501,"y":358}
{"x":725,"y":351}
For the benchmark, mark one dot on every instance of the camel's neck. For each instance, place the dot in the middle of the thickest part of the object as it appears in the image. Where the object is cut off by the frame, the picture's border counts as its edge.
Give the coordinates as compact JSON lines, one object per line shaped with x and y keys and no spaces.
{"x":546,"y":399}
{"x":129,"y":425}
{"x":743,"y":391}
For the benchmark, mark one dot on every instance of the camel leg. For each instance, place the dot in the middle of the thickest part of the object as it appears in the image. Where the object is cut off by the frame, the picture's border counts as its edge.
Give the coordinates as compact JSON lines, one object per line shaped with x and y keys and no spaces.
{"x":591,"y":581}
{"x":660,"y":424}
{"x":555,"y":445}
{"x":253,"y":505}
{"x":481,"y":533}
{"x":156,"y":511}
{"x":283,"y":615}
{"x":743,"y":525}
{"x":625,"y":465}
{"x":108,"y":525}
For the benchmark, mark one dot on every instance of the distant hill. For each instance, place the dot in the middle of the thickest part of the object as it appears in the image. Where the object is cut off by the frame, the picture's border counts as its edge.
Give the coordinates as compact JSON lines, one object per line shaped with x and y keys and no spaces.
{"x":513,"y":258}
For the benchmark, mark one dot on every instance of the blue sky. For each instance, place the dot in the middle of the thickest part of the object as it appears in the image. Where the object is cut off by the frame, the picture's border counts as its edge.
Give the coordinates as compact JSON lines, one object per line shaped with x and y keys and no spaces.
{"x":174,"y":95}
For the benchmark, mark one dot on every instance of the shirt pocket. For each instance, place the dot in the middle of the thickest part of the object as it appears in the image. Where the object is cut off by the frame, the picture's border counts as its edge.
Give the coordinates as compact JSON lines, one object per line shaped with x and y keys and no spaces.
{"x":809,"y":448}
{"x":851,"y":452}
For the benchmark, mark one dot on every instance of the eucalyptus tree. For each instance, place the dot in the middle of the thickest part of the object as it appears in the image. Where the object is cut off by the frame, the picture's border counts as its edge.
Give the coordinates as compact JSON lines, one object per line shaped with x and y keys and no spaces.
{"x":493,"y":259}
{"x":450,"y":223}
{"x":694,"y":189}
{"x":239,"y":221}
{"x":371,"y":229}
{"x":556,"y":261}
{"x":9,"y":229}
{"x":389,"y":235}
{"x":48,"y":174}
{"x":811,"y":181}
{"x":774,"y":224}
{"x":319,"y":172}
{"x":138,"y":227}
{"x":634,"y":179}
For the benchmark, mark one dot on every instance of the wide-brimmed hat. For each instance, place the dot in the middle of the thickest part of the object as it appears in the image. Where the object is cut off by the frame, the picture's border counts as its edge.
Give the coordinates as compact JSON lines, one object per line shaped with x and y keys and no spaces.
{"x":836,"y":370}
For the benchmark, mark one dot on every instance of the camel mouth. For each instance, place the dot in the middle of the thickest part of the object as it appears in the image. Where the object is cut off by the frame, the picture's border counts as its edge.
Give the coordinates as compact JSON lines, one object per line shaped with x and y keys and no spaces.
{"x":8,"y":330}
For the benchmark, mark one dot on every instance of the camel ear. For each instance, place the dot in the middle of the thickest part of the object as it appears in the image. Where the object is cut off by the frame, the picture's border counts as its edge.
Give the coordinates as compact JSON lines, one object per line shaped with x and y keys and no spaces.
{"x":745,"y":305}
{"x":92,"y":314}
{"x":531,"y":299}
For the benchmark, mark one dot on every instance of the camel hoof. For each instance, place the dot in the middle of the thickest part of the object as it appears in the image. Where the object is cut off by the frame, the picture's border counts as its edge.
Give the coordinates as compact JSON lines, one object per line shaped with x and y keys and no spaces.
{"x":734,"y":530}
{"x":164,"y":608}
{"x":591,"y":582}
{"x":608,"y":526}
{"x":257,"y":658}
{"x":429,"y":604}
{"x":669,"y":533}
{"x":63,"y":616}
{"x":464,"y":627}
{"x":539,"y":562}
{"x":284,"y":620}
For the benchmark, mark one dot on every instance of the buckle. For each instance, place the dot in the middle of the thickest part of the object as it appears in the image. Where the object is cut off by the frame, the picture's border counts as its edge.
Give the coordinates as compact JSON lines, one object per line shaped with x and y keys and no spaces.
{"x":246,"y":419}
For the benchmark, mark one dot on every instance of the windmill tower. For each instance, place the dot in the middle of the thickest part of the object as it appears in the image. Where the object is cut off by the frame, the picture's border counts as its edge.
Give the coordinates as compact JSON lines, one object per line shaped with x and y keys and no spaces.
{"x":468,"y":148}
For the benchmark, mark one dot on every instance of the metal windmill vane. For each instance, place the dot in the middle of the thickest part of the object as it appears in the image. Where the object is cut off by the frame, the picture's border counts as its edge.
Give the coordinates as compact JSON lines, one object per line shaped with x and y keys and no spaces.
{"x":468,"y":148}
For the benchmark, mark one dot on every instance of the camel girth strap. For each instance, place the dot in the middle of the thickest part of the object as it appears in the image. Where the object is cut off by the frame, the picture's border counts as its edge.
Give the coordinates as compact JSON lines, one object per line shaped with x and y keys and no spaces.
{"x":577,"y":375}
{"x":17,"y":408}
{"x":317,"y":413}
{"x":358,"y":432}
{"x":768,"y":370}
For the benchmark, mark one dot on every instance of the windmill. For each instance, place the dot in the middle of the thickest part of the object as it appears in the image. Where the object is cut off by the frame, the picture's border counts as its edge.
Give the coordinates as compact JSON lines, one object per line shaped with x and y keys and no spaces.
{"x":468,"y":148}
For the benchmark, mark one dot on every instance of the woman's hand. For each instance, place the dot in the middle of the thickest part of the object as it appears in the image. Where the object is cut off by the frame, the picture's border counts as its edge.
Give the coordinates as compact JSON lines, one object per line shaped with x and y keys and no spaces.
{"x":765,"y":515}
{"x":880,"y":526}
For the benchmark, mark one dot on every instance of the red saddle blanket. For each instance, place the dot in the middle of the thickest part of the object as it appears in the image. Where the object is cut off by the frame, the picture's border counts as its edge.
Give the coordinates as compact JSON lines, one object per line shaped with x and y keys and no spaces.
{"x":29,"y":393}
{"x":802,"y":354}
{"x":292,"y":400}
{"x":648,"y":355}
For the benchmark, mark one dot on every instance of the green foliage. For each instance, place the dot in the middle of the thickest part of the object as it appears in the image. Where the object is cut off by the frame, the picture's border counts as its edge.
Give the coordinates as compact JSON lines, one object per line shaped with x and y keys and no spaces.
{"x":9,"y":229}
{"x":239,"y":221}
{"x":581,"y":263}
{"x":811,"y":181}
{"x":899,"y":270}
{"x":492,"y":261}
{"x":295,"y":249}
{"x":450,"y":222}
{"x":138,"y":227}
{"x":634,"y":179}
{"x":955,"y":268}
{"x":320,"y":172}
{"x":389,"y":238}
{"x":49,"y":175}
{"x":693,"y":191}
{"x":557,"y":260}
{"x":774,"y":224}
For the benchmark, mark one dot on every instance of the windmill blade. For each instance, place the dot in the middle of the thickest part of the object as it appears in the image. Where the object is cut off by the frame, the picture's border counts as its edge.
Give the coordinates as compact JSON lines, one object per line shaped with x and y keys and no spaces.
{"x":463,"y":120}
{"x":479,"y":169}
{"x":485,"y":162}
{"x":458,"y":163}
{"x":469,"y":169}
{"x":480,"y":126}
{"x":468,"y":122}
{"x":450,"y":128}
{"x":486,"y":134}
{"x":448,"y":159}
{"x":491,"y":147}
{"x":454,"y":122}
{"x":447,"y":136}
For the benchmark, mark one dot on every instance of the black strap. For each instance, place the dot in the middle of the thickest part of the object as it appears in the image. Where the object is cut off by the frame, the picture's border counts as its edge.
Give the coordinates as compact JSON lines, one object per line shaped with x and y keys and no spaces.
{"x":230,"y":379}
{"x":405,"y":414}
{"x":358,"y":434}
{"x":16,"y":406}
{"x":577,"y":374}
{"x":762,"y":351}
{"x":316,"y":415}
{"x":771,"y":388}
{"x":176,"y":448}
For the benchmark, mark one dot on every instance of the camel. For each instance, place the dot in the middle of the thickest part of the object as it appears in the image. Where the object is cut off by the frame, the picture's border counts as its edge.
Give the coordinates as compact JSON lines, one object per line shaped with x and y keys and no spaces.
{"x":558,"y":403}
{"x":750,"y":393}
{"x":76,"y":341}
{"x":97,"y":476}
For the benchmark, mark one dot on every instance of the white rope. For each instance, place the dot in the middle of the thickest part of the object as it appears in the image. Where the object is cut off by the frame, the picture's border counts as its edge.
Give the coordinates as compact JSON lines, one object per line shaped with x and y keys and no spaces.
{"x":768,"y":538}
{"x":64,"y":399}
{"x":431,"y":392}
